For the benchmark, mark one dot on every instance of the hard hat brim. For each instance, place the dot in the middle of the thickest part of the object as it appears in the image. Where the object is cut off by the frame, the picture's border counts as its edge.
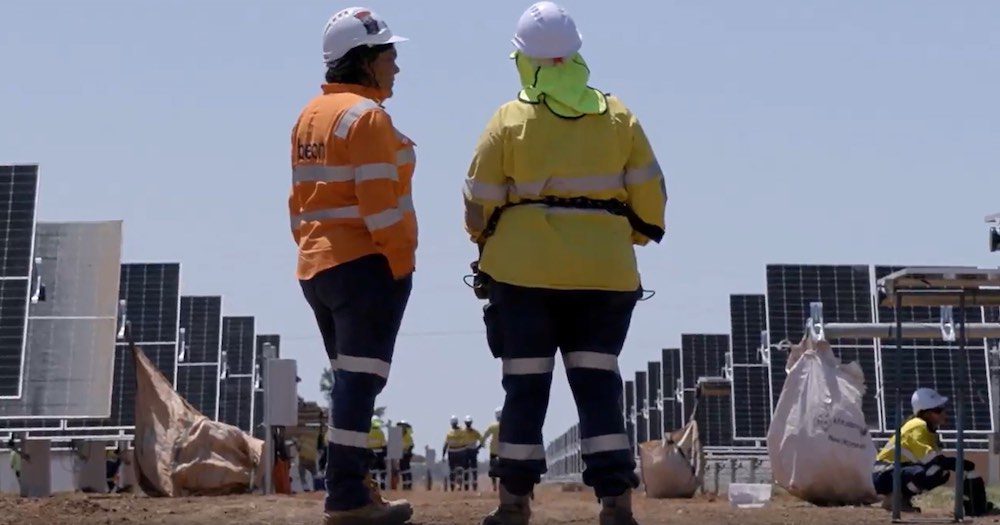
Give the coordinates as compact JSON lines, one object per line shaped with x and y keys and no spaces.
{"x":392,"y":39}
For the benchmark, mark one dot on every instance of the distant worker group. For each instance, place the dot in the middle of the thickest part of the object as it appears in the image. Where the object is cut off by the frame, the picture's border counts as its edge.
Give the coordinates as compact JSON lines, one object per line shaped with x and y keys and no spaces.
{"x":461,"y":450}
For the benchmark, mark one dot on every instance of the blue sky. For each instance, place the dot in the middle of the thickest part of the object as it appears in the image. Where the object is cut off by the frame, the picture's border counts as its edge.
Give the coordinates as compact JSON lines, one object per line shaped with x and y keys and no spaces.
{"x":813,"y":132}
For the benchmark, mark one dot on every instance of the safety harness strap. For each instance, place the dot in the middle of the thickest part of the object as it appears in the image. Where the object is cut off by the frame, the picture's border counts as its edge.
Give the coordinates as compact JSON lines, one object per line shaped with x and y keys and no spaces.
{"x":612,"y":206}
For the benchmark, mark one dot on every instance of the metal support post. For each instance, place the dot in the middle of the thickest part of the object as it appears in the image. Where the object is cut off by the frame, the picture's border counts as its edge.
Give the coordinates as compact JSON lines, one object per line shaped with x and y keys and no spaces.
{"x":897,"y":454}
{"x":717,"y":467}
{"x":960,"y":414}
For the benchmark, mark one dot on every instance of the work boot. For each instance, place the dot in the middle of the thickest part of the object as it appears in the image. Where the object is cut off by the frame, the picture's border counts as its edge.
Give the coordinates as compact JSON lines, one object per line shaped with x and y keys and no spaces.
{"x":379,"y":512}
{"x":617,"y":510}
{"x":906,"y":506}
{"x":376,"y":513}
{"x":513,"y":510}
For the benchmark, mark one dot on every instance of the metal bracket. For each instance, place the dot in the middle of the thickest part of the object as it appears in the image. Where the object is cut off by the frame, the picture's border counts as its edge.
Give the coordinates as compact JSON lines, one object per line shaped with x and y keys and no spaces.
{"x":122,"y":318}
{"x":727,"y":369}
{"x":948,"y":324}
{"x":814,"y":325}
{"x":764,"y":350}
{"x":183,"y":346}
{"x":38,"y":294}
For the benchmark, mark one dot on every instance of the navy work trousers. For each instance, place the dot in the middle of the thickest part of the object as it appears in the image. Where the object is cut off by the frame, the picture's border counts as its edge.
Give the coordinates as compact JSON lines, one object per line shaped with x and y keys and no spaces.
{"x":525,"y":327}
{"x":359,"y":308}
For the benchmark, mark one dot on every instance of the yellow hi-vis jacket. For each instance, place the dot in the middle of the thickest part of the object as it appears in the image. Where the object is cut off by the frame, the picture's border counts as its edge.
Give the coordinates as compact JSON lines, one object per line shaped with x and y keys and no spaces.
{"x":493,"y":434}
{"x":376,"y":439}
{"x":407,"y":439}
{"x":920,"y":445}
{"x":456,"y":440}
{"x":528,"y":152}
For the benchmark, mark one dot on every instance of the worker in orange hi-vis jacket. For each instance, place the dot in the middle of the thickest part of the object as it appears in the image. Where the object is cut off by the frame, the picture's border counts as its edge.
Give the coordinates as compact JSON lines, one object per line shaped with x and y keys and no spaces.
{"x":353,"y":222}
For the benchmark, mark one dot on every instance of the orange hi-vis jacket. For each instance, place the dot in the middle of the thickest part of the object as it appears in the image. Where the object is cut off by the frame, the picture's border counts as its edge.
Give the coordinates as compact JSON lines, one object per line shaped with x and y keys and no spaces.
{"x":351,"y":183}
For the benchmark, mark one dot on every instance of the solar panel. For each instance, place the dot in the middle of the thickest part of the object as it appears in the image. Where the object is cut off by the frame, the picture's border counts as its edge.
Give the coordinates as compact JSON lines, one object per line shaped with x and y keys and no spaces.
{"x":702,"y":355}
{"x":642,"y":408}
{"x":748,"y":318}
{"x":715,"y":427}
{"x":198,"y":372}
{"x":934,"y":364}
{"x":846,"y":294}
{"x":751,"y":397}
{"x":18,"y":194}
{"x":236,"y":394}
{"x":199,"y":384}
{"x":630,"y":413}
{"x":201,"y":319}
{"x":152,"y":295}
{"x":673,"y":414}
{"x":258,"y":393}
{"x":71,"y":333}
{"x":238,"y":344}
{"x":751,"y":402}
{"x":654,"y":374}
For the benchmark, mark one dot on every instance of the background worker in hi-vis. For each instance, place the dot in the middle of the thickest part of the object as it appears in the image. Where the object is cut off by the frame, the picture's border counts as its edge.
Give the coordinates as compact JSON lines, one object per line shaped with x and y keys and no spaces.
{"x":562,"y":185}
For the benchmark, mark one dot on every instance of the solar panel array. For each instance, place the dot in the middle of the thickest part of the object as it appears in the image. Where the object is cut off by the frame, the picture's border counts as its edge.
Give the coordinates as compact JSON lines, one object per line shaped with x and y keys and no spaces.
{"x":18,"y":195}
{"x":63,"y":371}
{"x":935,"y":364}
{"x":753,"y":380}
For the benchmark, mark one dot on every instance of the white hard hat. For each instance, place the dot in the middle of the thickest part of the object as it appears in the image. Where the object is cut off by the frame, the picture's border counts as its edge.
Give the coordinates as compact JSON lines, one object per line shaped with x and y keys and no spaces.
{"x":468,"y":419}
{"x":926,"y":399}
{"x":454,"y":420}
{"x":353,"y":27}
{"x":546,"y":30}
{"x":498,"y":412}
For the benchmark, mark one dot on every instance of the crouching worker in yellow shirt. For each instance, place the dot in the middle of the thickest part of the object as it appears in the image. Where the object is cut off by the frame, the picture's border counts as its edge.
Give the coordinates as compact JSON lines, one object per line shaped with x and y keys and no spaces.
{"x":925,"y":467}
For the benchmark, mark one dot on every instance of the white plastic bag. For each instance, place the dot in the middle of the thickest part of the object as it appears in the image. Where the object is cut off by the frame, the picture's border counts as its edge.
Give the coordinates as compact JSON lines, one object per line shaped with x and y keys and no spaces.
{"x":818,"y":442}
{"x":674,"y":467}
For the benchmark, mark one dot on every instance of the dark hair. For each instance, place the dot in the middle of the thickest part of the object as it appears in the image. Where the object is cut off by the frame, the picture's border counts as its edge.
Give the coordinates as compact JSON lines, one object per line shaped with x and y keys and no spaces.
{"x":352,"y":67}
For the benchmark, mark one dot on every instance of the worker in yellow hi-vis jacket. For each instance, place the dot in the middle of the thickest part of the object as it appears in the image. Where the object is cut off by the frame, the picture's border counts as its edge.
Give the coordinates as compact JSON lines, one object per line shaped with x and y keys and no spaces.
{"x":562,"y":186}
{"x":925,"y":467}
{"x":378,"y":445}
{"x":493,"y":435}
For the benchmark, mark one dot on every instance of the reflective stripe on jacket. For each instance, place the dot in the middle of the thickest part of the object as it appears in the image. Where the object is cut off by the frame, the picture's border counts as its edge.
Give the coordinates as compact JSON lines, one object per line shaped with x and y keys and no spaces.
{"x":351,"y":183}
{"x":528,"y":152}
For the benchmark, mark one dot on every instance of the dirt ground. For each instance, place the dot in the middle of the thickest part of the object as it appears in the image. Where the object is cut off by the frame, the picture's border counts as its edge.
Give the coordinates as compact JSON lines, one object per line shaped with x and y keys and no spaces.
{"x":552,"y":506}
